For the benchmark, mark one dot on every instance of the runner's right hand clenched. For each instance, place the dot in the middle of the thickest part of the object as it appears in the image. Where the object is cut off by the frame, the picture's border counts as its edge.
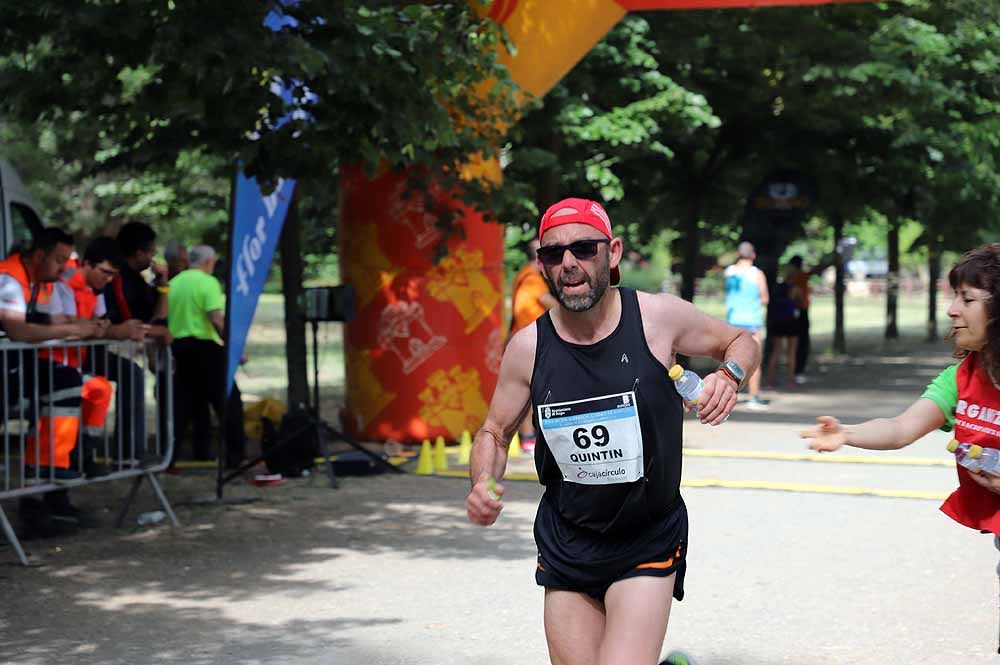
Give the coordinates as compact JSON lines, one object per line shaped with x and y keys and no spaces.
{"x":480,"y":506}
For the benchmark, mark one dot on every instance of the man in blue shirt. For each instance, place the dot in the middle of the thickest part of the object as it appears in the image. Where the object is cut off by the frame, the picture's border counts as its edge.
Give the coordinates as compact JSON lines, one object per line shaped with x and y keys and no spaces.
{"x":746,"y":297}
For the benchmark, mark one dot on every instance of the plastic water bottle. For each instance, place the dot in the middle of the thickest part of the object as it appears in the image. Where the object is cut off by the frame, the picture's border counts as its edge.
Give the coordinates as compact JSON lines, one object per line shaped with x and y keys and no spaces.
{"x":961,"y":452}
{"x":689,"y":385}
{"x":152,"y":517}
{"x":987,"y":458}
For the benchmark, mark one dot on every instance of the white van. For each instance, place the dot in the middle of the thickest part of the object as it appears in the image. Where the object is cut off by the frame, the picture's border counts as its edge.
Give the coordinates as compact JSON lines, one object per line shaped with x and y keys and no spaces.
{"x":19,"y":217}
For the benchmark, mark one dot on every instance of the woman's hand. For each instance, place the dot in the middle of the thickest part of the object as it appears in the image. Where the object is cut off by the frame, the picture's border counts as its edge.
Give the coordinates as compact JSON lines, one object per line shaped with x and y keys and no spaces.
{"x":827,"y":436}
{"x":987,"y":481}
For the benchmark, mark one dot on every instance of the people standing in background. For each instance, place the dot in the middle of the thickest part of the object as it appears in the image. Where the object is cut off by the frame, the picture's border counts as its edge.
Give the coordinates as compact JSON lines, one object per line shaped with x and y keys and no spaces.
{"x":197,"y":323}
{"x":746,"y":297}
{"x":800,"y":279}
{"x":783,"y":324}
{"x":131,"y":297}
{"x":529,"y":298}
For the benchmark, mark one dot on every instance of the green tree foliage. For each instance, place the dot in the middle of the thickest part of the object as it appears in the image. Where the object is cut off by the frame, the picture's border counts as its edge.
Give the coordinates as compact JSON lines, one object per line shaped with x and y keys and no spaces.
{"x":186,"y":201}
{"x":145,"y":106}
{"x":675,"y":116}
{"x":132,"y":86}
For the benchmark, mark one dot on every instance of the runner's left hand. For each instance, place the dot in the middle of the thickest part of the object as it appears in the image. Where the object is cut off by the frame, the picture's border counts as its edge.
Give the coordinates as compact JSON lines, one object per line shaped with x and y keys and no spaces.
{"x":987,"y":481}
{"x":717,"y":400}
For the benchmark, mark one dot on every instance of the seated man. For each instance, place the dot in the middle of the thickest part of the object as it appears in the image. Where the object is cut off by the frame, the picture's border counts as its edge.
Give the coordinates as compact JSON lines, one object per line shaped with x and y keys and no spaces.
{"x":26,"y":281}
{"x":79,"y":295}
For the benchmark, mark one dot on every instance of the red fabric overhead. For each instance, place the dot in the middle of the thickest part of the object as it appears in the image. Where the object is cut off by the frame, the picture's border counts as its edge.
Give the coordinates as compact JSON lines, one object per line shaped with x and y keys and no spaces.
{"x":639,"y":5}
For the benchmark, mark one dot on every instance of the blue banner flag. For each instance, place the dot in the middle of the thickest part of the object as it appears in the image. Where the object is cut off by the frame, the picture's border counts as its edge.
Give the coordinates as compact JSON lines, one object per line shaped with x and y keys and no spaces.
{"x":257,"y":222}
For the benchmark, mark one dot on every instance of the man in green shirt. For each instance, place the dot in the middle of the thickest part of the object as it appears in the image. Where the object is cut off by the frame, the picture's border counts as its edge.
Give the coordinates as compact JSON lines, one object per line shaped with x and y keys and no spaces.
{"x":197,"y":321}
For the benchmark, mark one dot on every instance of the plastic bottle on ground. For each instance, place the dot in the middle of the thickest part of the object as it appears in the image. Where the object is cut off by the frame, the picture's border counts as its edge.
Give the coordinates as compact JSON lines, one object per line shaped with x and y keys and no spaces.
{"x":988,"y":459}
{"x":152,"y":517}
{"x":689,"y":385}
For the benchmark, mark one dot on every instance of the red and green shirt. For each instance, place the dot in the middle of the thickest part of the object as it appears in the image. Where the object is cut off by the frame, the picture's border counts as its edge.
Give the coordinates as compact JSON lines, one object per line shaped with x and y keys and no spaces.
{"x":970,"y":402}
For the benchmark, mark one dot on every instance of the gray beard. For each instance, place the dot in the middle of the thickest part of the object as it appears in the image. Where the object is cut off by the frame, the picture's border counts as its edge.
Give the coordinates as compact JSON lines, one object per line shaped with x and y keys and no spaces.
{"x":586,"y":301}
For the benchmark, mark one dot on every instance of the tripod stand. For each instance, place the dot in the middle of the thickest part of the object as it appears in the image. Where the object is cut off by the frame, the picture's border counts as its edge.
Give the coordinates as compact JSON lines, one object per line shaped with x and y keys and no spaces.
{"x":319,"y":426}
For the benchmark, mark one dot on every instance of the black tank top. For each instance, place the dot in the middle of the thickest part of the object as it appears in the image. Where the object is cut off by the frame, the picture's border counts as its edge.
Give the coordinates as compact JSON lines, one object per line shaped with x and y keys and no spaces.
{"x":622,"y":362}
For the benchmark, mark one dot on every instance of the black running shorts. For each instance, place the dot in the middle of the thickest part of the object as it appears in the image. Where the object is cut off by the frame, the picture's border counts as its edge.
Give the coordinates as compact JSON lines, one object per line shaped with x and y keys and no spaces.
{"x":574,"y":559}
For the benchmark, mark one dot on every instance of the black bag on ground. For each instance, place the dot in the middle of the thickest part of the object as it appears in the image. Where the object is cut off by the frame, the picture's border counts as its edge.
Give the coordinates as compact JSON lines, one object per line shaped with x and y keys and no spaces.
{"x":293,"y":447}
{"x":356,"y":463}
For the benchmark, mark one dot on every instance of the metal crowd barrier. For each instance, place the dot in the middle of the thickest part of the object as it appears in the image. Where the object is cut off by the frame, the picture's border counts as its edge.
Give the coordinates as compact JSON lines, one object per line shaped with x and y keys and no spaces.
{"x":116,"y":447}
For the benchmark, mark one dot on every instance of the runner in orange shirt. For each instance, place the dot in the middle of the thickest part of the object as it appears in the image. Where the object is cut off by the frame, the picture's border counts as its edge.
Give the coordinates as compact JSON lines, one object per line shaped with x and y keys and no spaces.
{"x":530,"y":298}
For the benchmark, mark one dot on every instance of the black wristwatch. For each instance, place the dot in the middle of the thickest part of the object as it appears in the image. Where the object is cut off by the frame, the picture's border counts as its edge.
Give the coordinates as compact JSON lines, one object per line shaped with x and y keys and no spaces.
{"x":732,"y":369}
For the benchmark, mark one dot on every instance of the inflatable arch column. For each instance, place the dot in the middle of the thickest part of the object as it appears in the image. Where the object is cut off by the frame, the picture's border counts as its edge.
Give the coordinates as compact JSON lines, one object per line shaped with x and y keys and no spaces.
{"x":423,"y":352}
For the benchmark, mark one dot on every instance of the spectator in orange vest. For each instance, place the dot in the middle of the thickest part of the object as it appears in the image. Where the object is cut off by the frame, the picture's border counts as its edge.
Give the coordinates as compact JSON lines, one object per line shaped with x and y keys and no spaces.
{"x":79,"y":295}
{"x":26,"y":281}
{"x":530,"y":298}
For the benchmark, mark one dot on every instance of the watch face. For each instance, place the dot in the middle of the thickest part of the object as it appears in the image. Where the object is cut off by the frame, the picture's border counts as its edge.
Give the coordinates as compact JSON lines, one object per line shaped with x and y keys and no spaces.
{"x":736,"y":370}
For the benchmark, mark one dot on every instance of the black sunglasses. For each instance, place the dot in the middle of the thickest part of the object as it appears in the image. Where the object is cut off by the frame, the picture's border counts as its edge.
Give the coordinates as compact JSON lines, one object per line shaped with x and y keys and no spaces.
{"x":552,"y":255}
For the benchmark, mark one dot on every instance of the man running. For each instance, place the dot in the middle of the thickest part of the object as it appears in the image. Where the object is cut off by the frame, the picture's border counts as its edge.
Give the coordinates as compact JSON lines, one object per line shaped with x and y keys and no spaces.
{"x":611,"y":528}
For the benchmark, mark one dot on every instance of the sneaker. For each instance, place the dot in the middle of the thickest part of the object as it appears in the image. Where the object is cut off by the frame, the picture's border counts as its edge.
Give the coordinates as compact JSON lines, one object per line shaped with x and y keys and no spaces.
{"x":756,"y":404}
{"x":800,"y":379}
{"x":678,"y":658}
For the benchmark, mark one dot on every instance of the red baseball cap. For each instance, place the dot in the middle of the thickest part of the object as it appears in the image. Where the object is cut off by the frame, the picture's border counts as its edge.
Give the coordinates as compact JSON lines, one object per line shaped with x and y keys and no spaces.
{"x":579,"y":211}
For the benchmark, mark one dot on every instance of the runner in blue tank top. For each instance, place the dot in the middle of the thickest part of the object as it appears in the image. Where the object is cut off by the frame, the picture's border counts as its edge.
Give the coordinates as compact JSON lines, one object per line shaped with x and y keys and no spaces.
{"x":746,"y":297}
{"x":611,"y":527}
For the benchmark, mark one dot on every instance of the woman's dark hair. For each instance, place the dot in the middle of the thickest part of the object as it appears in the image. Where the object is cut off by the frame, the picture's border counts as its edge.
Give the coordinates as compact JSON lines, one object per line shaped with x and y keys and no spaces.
{"x":980,"y":269}
{"x":102,"y":249}
{"x":134,"y":237}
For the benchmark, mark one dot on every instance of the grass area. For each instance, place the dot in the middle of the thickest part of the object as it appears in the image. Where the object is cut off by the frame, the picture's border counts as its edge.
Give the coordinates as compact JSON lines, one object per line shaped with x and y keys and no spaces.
{"x":266,"y":374}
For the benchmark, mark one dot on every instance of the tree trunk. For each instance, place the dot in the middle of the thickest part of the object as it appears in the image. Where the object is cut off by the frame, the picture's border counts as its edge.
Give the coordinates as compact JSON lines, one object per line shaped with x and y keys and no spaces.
{"x":292,"y":268}
{"x":892,"y":282}
{"x":933,"y":273}
{"x":839,"y":341}
{"x":691,"y":249}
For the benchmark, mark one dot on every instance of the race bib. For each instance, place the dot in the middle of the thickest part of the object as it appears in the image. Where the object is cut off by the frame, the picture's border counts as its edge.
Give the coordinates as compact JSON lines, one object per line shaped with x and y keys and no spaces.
{"x":596,"y":441}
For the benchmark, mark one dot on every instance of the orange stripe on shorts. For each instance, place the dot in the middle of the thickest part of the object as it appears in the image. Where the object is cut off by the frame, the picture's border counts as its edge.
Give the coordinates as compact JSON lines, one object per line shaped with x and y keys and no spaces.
{"x":660,"y":564}
{"x":657,"y":564}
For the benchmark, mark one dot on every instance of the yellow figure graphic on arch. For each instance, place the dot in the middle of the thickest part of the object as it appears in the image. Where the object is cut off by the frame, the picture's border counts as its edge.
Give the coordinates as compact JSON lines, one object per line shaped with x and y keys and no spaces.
{"x":460,"y":280}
